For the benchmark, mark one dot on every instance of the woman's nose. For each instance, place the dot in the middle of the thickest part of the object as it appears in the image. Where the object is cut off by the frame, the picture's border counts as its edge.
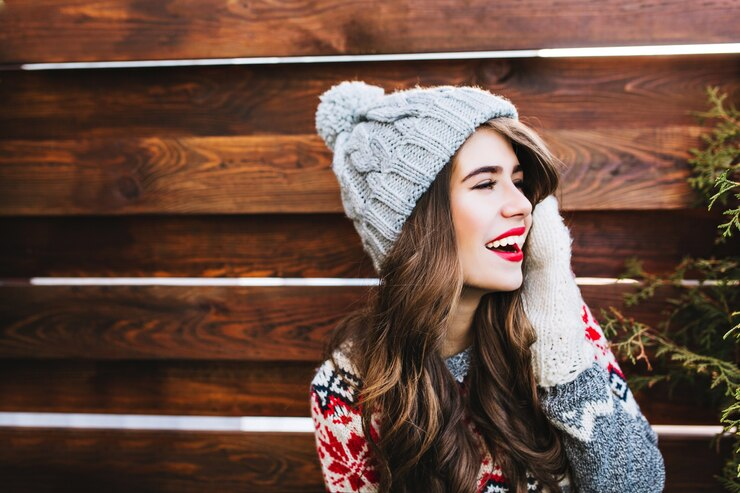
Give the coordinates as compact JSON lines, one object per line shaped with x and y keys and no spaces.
{"x":517,"y":204}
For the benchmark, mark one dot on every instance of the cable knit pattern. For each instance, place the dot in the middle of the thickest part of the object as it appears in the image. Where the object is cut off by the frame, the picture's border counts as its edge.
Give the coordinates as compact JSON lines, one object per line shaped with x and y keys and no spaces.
{"x":389,"y":148}
{"x":609,"y":443}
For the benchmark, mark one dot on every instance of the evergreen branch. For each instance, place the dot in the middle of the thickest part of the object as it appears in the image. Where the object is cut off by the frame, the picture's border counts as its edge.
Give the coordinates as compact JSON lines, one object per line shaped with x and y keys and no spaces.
{"x":735,"y":329}
{"x":640,"y":335}
{"x":725,"y":185}
{"x":690,"y":331}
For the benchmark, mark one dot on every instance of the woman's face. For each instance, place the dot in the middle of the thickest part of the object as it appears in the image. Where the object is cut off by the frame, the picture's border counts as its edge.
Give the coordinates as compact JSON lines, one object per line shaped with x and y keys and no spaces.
{"x":487,"y":203}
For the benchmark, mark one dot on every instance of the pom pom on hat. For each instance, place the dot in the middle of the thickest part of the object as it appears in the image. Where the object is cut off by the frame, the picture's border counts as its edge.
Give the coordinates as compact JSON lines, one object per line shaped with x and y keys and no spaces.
{"x":340,"y":108}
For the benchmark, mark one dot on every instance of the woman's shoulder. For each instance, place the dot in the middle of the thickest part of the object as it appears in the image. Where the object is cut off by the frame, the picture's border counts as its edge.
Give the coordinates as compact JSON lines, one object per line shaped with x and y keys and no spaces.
{"x":346,"y":460}
{"x":335,"y":406}
{"x":336,"y":382}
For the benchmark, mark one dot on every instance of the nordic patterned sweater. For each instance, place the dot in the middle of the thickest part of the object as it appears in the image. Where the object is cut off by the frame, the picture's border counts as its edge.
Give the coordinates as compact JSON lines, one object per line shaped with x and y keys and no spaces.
{"x":608,"y":442}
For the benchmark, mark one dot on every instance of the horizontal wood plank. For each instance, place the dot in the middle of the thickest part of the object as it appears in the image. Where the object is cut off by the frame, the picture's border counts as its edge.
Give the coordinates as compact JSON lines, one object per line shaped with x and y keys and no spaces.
{"x":614,"y":169}
{"x":41,"y":459}
{"x":72,"y":30}
{"x":311,"y":245}
{"x":177,"y":333}
{"x":171,"y":322}
{"x":183,"y":387}
{"x":579,"y":94}
{"x":280,"y":323}
{"x":197,"y":175}
{"x":125,"y":150}
{"x":231,"y":388}
{"x":691,"y":464}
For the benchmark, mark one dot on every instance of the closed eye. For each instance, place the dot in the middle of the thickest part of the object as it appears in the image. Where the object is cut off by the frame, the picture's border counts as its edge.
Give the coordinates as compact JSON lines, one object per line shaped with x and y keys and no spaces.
{"x":490,"y":184}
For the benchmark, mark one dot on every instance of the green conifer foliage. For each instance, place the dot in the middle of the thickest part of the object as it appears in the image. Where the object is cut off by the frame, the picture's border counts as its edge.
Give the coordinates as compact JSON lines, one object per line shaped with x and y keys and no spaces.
{"x":699,"y":336}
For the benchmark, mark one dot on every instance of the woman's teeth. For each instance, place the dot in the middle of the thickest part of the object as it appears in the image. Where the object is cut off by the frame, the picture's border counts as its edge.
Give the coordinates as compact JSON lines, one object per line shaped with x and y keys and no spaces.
{"x":508,"y":241}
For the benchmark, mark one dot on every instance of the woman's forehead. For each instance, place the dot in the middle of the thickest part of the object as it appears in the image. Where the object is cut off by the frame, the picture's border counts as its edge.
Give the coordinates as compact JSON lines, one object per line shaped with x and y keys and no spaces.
{"x":485,"y":148}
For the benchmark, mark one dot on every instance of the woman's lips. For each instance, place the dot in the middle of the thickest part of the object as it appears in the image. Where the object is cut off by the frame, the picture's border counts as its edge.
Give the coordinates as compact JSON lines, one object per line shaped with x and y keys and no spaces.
{"x":512,"y":232}
{"x":511,"y":256}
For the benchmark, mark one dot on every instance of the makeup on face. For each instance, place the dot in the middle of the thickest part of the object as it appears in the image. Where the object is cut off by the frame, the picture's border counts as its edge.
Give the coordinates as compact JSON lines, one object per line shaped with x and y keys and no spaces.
{"x":508,"y":245}
{"x":491,"y":211}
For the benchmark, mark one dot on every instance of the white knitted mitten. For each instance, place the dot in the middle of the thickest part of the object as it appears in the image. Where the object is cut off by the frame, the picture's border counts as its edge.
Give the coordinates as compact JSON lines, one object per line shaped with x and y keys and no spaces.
{"x":552,"y":300}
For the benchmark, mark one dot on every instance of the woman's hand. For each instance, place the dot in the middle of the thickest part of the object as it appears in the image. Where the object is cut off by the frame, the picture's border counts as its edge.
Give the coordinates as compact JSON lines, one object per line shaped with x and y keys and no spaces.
{"x":552,"y":300}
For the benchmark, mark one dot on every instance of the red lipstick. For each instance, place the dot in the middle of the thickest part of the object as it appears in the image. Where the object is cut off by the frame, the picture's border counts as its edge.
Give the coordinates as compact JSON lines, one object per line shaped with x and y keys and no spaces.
{"x":515,"y":256}
{"x":512,"y":256}
{"x":512,"y":232}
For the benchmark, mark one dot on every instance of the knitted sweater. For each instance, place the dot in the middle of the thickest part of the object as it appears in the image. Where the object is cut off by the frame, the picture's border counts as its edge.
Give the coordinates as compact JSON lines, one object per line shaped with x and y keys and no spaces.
{"x":608,"y":442}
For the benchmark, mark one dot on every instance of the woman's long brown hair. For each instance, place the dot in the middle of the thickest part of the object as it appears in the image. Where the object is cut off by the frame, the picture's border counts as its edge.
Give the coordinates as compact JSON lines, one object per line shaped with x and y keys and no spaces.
{"x":396,"y":339}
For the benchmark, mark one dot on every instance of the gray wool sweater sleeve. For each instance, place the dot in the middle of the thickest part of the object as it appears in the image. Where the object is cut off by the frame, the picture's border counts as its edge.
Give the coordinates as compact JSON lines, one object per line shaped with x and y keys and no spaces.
{"x":609,"y":443}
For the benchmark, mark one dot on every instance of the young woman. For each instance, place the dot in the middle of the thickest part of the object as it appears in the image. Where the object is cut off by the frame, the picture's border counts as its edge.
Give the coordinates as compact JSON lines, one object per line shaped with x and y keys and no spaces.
{"x":475,"y":364}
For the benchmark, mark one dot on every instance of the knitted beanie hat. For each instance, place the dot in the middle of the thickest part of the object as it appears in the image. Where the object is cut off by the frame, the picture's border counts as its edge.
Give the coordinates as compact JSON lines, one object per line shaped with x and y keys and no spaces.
{"x":388,"y":148}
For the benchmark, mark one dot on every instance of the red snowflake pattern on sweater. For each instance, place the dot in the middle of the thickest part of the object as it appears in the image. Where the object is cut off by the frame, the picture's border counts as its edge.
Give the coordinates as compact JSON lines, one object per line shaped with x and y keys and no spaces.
{"x":345,"y":455}
{"x":605,"y":357}
{"x":347,"y":463}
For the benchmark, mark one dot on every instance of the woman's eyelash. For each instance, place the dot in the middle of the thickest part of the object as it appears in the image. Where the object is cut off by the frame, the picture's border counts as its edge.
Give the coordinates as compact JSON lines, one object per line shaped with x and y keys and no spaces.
{"x":491,"y":184}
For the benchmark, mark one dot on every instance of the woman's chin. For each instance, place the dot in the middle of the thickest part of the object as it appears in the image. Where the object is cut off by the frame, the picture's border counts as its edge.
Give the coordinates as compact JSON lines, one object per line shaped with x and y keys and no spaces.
{"x":501,"y":285}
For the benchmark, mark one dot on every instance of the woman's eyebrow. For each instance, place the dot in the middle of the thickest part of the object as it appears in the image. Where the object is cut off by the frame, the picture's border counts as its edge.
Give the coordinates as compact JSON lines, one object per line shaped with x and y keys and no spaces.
{"x":489,"y":169}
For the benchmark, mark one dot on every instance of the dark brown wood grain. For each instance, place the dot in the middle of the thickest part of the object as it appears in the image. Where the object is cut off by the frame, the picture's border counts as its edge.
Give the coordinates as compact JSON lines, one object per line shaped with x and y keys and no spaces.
{"x":615,"y":169}
{"x":223,"y":140}
{"x":60,"y":460}
{"x":74,"y":30}
{"x":230,"y":388}
{"x":691,"y":463}
{"x":181,"y":387}
{"x":310,"y":245}
{"x":277,"y":245}
{"x":40,"y":460}
{"x":586,"y":95}
{"x":687,"y":404}
{"x":214,"y":172}
{"x":288,"y":323}
{"x":171,"y":322}
{"x":174,"y":176}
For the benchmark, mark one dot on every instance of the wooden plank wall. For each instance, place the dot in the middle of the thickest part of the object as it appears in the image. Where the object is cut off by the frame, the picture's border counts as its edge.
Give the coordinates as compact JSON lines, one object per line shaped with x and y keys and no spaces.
{"x":216,"y":171}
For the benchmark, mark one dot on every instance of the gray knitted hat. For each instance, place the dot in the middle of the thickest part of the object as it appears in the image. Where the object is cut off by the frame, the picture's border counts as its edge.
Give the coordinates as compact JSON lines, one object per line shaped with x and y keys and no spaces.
{"x":388,"y":149}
